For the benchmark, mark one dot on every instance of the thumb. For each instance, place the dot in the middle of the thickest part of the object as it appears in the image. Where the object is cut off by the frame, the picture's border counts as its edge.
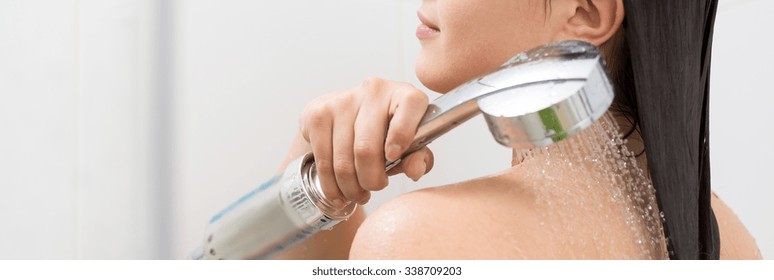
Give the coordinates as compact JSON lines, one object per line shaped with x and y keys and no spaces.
{"x":415,"y":165}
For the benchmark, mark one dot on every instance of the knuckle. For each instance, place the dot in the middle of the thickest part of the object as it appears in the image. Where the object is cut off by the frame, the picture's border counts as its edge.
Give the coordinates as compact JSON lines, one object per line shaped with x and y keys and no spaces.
{"x":323,"y":108}
{"x":343,"y":100}
{"x":402,"y":136}
{"x":372,"y":82}
{"x":366,"y":149}
{"x":344,"y":167}
{"x":416,"y":96}
{"x":409,"y":92}
{"x":324,"y":166}
{"x":315,"y":114}
{"x":316,"y":120}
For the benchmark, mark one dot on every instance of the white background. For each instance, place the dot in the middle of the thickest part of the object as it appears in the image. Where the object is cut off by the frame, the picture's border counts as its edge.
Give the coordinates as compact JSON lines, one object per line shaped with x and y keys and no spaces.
{"x":126,"y":124}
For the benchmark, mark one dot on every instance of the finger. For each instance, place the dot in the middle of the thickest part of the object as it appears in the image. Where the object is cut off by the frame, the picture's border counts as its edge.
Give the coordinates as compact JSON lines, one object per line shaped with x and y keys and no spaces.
{"x":400,"y":167}
{"x":319,"y":128}
{"x":370,"y":130}
{"x":418,"y":163}
{"x":311,"y":117}
{"x":397,"y":169}
{"x":344,"y":159}
{"x":365,"y":199}
{"x":407,"y":107}
{"x":429,"y":161}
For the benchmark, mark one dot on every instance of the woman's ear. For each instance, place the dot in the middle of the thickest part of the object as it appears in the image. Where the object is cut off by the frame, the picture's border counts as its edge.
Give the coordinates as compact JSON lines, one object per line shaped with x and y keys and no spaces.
{"x":594,"y":21}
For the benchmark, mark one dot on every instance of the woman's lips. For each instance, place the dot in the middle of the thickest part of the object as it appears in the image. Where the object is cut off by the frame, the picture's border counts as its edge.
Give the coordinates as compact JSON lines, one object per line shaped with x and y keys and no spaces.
{"x":426,"y":32}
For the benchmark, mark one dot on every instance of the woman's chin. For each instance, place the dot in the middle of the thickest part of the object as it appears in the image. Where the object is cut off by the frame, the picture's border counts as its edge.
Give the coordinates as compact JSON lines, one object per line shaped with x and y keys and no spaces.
{"x":435,"y":81}
{"x":444,"y":77}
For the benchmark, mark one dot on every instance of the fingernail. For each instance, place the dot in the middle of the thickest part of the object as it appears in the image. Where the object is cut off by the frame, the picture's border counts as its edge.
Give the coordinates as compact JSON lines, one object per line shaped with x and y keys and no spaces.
{"x":422,"y":166}
{"x":393,"y":152}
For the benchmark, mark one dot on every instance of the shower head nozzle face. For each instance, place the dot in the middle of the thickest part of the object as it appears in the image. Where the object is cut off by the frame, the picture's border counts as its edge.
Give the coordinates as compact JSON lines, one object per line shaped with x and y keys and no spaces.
{"x":572,"y":94}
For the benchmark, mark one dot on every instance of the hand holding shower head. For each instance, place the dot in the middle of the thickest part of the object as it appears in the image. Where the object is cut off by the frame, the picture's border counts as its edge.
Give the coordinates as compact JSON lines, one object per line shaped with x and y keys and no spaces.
{"x":537,"y":98}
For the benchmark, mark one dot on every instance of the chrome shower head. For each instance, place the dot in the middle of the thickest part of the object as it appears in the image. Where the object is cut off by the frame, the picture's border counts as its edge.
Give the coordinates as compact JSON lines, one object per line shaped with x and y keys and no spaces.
{"x":563,"y":88}
{"x":537,"y":98}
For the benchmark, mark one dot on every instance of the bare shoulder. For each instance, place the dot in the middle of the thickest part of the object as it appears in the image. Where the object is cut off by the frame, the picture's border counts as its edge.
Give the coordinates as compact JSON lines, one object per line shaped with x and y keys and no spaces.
{"x":735,"y":241}
{"x":497,"y":217}
{"x":508,"y":216}
{"x":450,"y":222}
{"x":502,"y":218}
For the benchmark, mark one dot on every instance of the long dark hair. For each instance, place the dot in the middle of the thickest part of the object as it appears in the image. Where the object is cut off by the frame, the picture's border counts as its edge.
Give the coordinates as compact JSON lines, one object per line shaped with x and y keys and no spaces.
{"x":663,"y":85}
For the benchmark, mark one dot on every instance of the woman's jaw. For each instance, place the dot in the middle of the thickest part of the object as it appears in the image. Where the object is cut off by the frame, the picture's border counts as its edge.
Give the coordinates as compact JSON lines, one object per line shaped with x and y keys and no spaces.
{"x":463,"y":39}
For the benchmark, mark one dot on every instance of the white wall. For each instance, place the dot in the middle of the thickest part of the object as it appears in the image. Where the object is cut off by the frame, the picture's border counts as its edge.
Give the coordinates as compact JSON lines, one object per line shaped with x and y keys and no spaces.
{"x":77,"y":106}
{"x":741,"y":150}
{"x":126,"y":124}
{"x":38,"y":122}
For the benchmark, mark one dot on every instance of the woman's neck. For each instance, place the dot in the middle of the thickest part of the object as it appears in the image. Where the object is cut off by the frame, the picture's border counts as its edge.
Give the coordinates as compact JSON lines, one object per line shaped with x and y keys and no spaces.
{"x":594,"y":167}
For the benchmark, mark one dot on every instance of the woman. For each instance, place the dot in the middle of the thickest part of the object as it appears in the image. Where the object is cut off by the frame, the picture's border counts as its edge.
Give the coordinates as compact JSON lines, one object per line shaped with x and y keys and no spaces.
{"x":658,"y":58}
